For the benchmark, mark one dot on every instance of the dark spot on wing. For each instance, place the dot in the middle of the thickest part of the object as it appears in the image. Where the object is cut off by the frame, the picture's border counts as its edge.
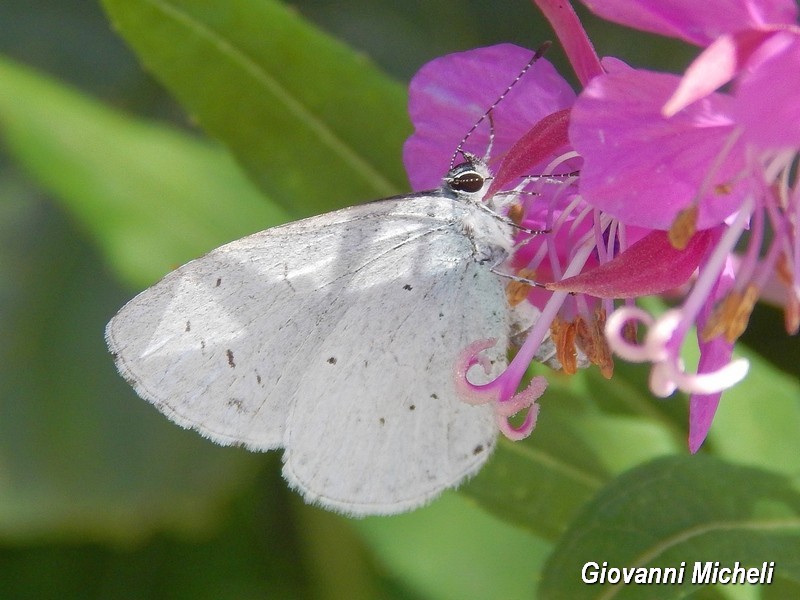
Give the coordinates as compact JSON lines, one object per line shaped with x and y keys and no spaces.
{"x":477,"y":450}
{"x":407,"y":287}
{"x":188,"y":327}
{"x":382,"y":421}
{"x":219,"y":282}
{"x":236,"y":403}
{"x":286,"y":277}
{"x":202,"y":344}
{"x":230,"y":359}
{"x":332,"y":360}
{"x":412,"y":407}
{"x":434,"y":396}
{"x":258,"y":378}
{"x":441,"y":315}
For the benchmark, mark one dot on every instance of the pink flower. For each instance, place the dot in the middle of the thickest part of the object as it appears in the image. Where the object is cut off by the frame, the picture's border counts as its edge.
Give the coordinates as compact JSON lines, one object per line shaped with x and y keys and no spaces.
{"x":449,"y":94}
{"x":672,"y":173}
{"x":672,"y":153}
{"x":447,"y":97}
{"x":564,"y":330}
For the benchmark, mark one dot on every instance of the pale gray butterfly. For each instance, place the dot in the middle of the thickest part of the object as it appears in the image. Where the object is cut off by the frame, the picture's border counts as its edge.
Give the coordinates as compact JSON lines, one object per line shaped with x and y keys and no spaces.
{"x":336,"y":338}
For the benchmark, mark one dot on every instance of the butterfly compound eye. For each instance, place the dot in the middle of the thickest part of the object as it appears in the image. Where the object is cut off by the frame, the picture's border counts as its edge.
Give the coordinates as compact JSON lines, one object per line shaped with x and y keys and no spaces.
{"x":467,"y":181}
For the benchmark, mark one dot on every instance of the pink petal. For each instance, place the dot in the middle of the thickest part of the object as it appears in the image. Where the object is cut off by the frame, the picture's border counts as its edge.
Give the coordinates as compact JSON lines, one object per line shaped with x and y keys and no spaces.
{"x":449,"y":94}
{"x":702,"y":407}
{"x":714,"y":355}
{"x":695,"y":21}
{"x":573,"y":38}
{"x":541,"y":143}
{"x":715,"y":66}
{"x":643,"y":168}
{"x":650,"y":266}
{"x":767,"y":96}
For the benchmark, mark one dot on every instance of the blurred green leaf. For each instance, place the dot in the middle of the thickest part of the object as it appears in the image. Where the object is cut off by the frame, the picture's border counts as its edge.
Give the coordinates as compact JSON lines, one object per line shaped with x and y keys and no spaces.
{"x":758,"y":420}
{"x":254,"y":553}
{"x":675,"y":510}
{"x":541,"y":483}
{"x":532,"y":488}
{"x":451,"y":550}
{"x":152,"y":196}
{"x":627,"y":393}
{"x":80,"y":452}
{"x":621,"y":443}
{"x":581,"y":440}
{"x":297,"y":108}
{"x":589,"y":430}
{"x":80,"y":455}
{"x":618,"y":420}
{"x":334,"y":551}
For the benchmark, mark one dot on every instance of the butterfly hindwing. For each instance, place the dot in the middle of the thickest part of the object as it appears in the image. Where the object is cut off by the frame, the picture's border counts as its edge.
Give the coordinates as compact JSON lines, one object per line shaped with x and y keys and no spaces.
{"x":377,"y":425}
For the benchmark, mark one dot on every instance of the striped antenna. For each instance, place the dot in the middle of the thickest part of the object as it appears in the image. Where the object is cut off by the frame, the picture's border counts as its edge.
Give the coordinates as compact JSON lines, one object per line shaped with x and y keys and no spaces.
{"x":536,"y":56}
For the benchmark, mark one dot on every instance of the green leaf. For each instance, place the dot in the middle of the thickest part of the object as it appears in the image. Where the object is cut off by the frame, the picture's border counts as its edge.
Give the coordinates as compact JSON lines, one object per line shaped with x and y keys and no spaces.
{"x":627,"y":393}
{"x":532,"y":488}
{"x":254,"y":553}
{"x":542,"y":482}
{"x":618,"y":420}
{"x":453,"y":550}
{"x":153,"y":197}
{"x":679,"y":510}
{"x":621,"y":443}
{"x":758,"y":420}
{"x":296,"y":107}
{"x":82,"y":457}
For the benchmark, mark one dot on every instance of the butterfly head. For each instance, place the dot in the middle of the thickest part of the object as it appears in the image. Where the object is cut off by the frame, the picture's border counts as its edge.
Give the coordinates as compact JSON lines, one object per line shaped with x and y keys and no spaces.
{"x":467,"y":180}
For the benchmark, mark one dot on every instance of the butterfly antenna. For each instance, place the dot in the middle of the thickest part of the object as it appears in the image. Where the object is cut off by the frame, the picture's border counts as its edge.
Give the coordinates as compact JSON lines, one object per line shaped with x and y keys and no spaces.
{"x":460,"y":148}
{"x":491,"y":138}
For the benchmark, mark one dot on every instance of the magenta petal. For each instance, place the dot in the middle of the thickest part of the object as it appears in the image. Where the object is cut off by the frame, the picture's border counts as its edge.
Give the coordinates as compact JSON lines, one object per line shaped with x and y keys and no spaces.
{"x":767,"y":97}
{"x":716,"y":66}
{"x":573,"y":38}
{"x":644,"y":168}
{"x":650,"y":266}
{"x":696,"y":22}
{"x":714,"y":354}
{"x":702,"y":407}
{"x":542,"y":142}
{"x":449,"y":94}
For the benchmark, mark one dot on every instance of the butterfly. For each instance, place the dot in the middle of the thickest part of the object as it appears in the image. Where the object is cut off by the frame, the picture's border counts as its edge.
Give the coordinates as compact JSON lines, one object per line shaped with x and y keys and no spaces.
{"x":336,"y":338}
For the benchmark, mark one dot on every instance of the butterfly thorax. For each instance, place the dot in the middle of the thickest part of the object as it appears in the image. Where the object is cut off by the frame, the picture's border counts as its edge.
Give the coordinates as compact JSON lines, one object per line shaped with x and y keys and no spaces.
{"x":490,"y":232}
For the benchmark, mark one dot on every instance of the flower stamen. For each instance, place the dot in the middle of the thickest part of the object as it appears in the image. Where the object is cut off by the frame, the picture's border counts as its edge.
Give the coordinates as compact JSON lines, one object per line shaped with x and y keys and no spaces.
{"x":731,"y":316}
{"x":591,"y":339}
{"x":563,"y":334}
{"x":517,"y":291}
{"x":683,"y":227}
